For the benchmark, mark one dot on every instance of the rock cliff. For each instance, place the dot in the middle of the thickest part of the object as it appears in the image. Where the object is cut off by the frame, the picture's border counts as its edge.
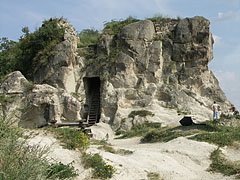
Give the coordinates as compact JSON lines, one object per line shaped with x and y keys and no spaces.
{"x":158,"y":66}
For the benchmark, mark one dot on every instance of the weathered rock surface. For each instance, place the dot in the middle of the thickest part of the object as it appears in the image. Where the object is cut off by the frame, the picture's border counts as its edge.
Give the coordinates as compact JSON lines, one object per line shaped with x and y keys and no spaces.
{"x":36,"y":105}
{"x":61,"y":72}
{"x":149,"y":65}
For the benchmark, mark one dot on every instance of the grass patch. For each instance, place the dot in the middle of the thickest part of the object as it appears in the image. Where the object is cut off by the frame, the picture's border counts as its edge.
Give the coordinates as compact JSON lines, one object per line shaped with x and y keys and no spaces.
{"x":109,"y":148}
{"x":211,"y":131}
{"x":219,"y":134}
{"x":119,"y":132}
{"x":114,"y":27}
{"x":100,"y":168}
{"x":124,"y":152}
{"x":163,"y":135}
{"x":142,"y":113}
{"x":153,"y":176}
{"x":141,"y":129}
{"x":159,"y":17}
{"x":221,"y":165}
{"x":71,"y":138}
{"x":104,"y":145}
{"x":168,"y":134}
{"x":99,"y":142}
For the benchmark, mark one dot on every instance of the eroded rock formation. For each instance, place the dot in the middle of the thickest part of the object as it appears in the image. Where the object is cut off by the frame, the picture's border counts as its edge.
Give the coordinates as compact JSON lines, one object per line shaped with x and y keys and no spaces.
{"x":160,"y":66}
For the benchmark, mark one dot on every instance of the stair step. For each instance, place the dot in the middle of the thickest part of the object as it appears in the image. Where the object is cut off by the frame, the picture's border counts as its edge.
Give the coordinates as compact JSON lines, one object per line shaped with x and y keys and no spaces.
{"x":92,"y":122}
{"x":94,"y":108}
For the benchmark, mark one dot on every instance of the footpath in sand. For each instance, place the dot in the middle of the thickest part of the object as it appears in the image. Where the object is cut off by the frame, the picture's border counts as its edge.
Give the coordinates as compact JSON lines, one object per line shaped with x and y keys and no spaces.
{"x":179,"y":159}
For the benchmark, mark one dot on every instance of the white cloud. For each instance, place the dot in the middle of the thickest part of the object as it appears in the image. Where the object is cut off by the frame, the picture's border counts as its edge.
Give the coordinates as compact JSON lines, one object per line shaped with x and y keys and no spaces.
{"x":229,"y":82}
{"x":228,"y":16}
{"x":217,"y":40}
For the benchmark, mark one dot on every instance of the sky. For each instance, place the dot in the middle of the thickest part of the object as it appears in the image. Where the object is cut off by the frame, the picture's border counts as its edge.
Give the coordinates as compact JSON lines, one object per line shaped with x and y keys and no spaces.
{"x":224,"y":16}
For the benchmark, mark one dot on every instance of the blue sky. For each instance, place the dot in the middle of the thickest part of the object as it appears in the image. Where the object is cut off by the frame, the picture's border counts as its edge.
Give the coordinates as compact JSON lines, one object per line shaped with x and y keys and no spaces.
{"x":224,"y":16}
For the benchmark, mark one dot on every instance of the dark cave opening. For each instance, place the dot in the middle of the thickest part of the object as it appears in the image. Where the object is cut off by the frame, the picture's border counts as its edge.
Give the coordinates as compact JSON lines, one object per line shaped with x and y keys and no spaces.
{"x":92,"y":89}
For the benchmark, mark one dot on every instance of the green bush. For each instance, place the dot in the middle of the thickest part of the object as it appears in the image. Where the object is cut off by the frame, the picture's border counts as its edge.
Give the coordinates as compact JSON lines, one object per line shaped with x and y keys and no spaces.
{"x":119,"y":132}
{"x":21,"y":161}
{"x":114,"y":27}
{"x":60,"y":171}
{"x":159,"y":17}
{"x":31,"y":52}
{"x":38,"y":47}
{"x":89,"y":53}
{"x":8,"y":55}
{"x":72,"y":138}
{"x":100,"y":168}
{"x":88,"y":37}
{"x":17,"y":159}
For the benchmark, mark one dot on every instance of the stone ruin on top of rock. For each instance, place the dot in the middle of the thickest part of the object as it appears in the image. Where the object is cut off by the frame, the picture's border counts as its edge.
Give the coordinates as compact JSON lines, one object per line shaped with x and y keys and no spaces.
{"x":161,"y":66}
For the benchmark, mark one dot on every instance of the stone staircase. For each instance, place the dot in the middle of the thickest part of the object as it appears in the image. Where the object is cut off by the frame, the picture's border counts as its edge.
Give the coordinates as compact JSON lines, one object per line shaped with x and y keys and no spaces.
{"x":93,"y":114}
{"x":92,"y":118}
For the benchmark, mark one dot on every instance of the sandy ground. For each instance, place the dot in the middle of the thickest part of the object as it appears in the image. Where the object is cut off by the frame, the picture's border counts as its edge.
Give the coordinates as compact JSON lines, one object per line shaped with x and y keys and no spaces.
{"x":179,"y":159}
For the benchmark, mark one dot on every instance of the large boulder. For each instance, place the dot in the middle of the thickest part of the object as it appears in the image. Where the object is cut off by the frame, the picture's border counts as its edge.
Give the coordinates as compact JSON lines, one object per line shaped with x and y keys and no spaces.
{"x":61,"y":72}
{"x":12,"y":92}
{"x":15,"y":82}
{"x":37,"y":105}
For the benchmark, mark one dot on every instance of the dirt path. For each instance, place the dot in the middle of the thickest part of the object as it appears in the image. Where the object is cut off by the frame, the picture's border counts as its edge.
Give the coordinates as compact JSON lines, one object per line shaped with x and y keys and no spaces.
{"x":179,"y":159}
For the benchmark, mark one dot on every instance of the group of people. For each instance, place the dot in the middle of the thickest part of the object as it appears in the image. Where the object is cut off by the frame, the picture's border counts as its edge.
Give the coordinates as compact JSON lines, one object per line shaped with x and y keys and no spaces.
{"x":216,"y":109}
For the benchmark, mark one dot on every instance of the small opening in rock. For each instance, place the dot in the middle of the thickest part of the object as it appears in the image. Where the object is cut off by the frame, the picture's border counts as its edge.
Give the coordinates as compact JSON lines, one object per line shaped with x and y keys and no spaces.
{"x":92,"y":89}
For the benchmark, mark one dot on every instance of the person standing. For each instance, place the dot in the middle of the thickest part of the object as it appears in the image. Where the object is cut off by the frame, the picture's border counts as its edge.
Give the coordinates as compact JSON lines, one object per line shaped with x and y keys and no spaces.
{"x":215,"y":109}
{"x":233,"y":109}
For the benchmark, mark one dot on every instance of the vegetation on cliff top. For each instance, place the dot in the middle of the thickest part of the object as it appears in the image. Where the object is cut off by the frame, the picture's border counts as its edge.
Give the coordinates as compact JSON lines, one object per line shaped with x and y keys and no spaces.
{"x":88,"y":37}
{"x":33,"y":49}
{"x":114,"y":27}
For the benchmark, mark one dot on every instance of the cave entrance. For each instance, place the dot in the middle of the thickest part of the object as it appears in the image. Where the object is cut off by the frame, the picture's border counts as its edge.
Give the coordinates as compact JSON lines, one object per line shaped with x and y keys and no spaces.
{"x":92,"y":106}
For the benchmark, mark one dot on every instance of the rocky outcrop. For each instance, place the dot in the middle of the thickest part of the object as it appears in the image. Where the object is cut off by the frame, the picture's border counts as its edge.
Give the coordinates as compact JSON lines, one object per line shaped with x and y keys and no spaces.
{"x":162,"y":63}
{"x":159,"y":66}
{"x":37,"y":105}
{"x":62,"y":70}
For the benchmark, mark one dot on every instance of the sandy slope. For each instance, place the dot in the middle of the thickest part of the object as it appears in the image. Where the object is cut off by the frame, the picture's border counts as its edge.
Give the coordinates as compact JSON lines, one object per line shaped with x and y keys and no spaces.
{"x":179,"y":159}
